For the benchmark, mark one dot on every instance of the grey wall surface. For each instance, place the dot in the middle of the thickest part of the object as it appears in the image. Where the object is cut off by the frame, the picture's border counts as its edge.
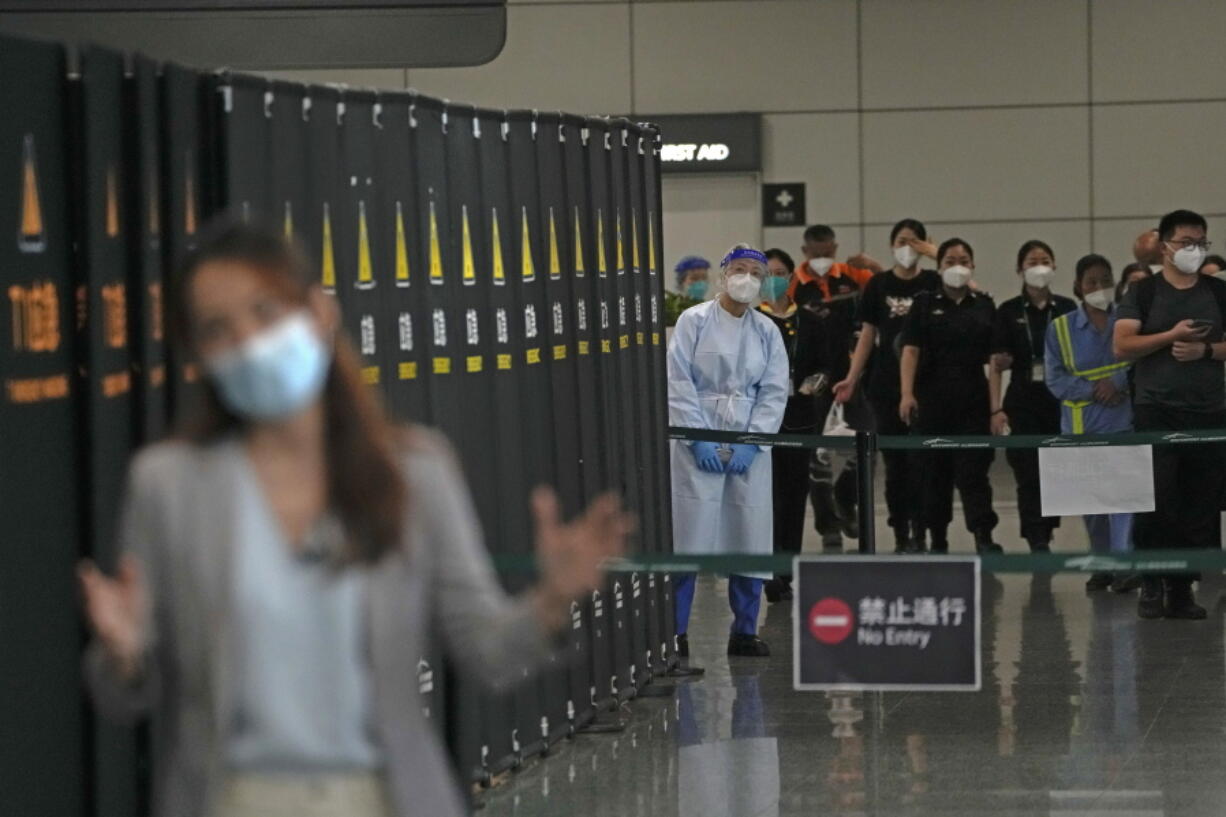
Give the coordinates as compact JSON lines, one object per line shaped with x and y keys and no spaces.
{"x":1076,"y":121}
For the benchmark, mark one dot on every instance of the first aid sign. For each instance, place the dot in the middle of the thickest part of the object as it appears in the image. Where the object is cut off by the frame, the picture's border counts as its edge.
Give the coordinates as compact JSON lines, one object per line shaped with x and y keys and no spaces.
{"x":881,"y":623}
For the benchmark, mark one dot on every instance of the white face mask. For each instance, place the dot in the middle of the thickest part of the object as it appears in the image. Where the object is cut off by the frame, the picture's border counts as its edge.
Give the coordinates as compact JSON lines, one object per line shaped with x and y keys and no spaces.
{"x":906,"y":256}
{"x":956,"y":277}
{"x":1039,"y":276}
{"x":1188,"y":260}
{"x":743,"y":287}
{"x":1155,"y":268}
{"x":1220,"y":275}
{"x":1100,"y":299}
{"x":820,"y":266}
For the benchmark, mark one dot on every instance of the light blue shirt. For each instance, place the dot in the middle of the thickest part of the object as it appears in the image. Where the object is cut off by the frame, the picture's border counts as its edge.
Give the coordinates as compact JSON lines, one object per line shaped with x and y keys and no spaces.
{"x":304,"y":697}
{"x":1077,"y":356}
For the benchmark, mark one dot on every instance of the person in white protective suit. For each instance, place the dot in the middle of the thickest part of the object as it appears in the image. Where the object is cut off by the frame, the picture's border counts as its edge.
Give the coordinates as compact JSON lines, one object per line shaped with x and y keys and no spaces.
{"x":727,"y":371}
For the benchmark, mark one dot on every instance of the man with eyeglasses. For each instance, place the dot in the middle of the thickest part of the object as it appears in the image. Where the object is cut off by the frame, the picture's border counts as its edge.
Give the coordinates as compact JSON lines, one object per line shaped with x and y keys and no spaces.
{"x":1172,"y":325}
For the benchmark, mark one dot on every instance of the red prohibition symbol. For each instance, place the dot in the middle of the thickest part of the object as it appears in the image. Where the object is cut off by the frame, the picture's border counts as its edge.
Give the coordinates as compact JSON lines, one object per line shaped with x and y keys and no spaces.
{"x":830,"y":620}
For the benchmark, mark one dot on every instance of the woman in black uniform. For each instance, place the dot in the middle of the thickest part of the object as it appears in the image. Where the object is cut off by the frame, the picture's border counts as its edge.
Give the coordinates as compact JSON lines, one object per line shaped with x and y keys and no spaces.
{"x":946,"y":343}
{"x":803,"y":339}
{"x":1018,"y":343}
{"x":884,"y":307}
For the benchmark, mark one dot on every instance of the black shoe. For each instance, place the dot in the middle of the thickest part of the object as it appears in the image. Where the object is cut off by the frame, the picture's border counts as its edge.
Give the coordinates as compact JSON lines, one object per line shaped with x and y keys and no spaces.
{"x":1039,"y":545}
{"x":1126,"y":583}
{"x":1180,"y":601}
{"x":747,"y":645}
{"x":832,"y":543}
{"x":683,"y":646}
{"x":850,"y":528}
{"x":912,"y":546}
{"x":939,"y":546}
{"x":1099,"y":581}
{"x":1151,"y":603}
{"x":984,"y":543}
{"x":777,"y":590}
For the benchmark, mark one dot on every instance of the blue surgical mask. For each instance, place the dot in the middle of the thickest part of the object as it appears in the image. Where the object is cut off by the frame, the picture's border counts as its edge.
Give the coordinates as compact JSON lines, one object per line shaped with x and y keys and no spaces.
{"x":775,"y":287}
{"x":696,"y":290}
{"x":274,"y":374}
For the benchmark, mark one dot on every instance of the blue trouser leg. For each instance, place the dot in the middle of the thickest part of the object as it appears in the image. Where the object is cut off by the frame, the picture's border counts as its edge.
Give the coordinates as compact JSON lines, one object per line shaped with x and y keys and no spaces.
{"x":683,"y":599}
{"x":1098,"y":528}
{"x":745,"y":598}
{"x":1121,"y":532}
{"x":1110,"y":533}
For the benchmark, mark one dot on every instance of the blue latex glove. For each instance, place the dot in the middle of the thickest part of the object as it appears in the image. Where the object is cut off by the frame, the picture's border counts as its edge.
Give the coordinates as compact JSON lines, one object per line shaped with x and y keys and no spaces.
{"x":742,"y":458}
{"x":707,"y":456}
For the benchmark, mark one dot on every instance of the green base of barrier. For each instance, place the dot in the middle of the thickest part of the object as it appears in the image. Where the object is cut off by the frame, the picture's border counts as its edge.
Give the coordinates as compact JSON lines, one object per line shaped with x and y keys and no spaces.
{"x":1172,"y":561}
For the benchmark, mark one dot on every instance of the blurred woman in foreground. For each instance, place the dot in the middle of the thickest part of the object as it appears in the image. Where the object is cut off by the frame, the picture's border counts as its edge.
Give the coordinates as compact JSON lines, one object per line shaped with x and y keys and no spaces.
{"x":288,"y":560}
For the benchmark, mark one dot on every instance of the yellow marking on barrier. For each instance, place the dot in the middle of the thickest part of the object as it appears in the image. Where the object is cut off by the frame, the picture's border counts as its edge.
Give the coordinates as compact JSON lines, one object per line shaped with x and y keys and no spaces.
{"x":328,"y":265}
{"x":402,"y":249}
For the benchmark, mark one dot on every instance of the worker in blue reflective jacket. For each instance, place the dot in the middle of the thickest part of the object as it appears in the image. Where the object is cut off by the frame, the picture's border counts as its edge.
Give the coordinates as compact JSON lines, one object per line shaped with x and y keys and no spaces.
{"x":727,"y":371}
{"x":1092,"y":387}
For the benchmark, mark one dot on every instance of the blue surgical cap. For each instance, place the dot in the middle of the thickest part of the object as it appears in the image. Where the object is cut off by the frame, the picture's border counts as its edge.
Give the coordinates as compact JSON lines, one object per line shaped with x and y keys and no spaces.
{"x":690,"y":262}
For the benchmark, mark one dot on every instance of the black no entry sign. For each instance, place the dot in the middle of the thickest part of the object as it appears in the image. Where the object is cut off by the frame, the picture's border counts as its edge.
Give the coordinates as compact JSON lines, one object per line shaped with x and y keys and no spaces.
{"x":880,"y":623}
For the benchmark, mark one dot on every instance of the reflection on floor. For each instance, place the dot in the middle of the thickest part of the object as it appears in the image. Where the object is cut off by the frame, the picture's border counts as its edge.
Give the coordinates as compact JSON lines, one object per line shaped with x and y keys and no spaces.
{"x":1084,"y":711}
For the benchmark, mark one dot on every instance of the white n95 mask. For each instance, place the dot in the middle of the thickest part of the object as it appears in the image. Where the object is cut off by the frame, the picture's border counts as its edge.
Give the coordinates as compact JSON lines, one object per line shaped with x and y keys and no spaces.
{"x":743,"y":287}
{"x":956,"y":277}
{"x":906,"y":256}
{"x":1039,"y":276}
{"x":820,"y":266}
{"x":1189,"y":259}
{"x":1100,"y":299}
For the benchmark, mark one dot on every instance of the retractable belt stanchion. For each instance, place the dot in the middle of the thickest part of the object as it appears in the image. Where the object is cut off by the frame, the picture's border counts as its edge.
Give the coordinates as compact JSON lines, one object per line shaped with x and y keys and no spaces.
{"x":535,"y":701}
{"x":404,"y":257}
{"x":39,"y":499}
{"x":648,"y":338}
{"x":105,"y":359}
{"x":146,"y":302}
{"x":866,"y":460}
{"x":601,"y":292}
{"x":184,"y":180}
{"x":467,"y":263}
{"x":569,"y":360}
{"x":499,"y":717}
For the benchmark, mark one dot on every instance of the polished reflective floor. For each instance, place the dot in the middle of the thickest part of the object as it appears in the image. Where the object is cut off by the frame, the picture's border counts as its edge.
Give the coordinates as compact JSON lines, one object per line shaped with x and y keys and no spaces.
{"x":1084,"y":711}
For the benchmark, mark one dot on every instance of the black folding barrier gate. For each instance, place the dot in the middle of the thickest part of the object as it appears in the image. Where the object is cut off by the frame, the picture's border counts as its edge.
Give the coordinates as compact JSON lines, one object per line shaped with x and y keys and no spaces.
{"x":499,"y":275}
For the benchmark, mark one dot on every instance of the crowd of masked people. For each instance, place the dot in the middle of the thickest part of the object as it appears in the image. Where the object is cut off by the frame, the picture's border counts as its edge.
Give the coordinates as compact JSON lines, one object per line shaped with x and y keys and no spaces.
{"x":916,"y":346}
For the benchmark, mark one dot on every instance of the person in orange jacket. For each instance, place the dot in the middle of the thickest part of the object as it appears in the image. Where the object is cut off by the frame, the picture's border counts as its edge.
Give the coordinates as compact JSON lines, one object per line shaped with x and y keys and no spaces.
{"x":831,"y":290}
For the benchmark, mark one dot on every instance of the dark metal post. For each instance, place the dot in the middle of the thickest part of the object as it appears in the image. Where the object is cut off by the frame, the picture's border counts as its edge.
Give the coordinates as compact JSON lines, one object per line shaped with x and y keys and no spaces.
{"x":866,"y":449}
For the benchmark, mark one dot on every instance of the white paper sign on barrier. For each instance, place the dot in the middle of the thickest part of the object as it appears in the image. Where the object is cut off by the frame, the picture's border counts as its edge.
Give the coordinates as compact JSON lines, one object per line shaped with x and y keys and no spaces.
{"x":1111,"y":479}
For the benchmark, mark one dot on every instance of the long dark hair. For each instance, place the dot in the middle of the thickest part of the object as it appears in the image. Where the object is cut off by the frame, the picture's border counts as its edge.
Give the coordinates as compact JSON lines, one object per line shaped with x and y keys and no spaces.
{"x":366,"y":485}
{"x":1033,"y":244}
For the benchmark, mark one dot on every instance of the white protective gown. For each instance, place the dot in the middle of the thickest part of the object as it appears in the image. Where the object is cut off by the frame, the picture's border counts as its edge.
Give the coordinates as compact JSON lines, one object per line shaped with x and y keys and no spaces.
{"x":729,"y":374}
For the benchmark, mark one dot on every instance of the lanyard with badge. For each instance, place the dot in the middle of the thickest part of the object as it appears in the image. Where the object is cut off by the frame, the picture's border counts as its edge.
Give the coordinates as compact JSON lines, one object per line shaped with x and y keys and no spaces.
{"x":1038,"y":367}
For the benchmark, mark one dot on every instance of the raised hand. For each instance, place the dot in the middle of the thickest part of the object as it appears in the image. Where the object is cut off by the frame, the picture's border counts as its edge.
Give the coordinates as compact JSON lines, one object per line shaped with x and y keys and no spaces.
{"x":570,"y":555}
{"x":117,"y":610}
